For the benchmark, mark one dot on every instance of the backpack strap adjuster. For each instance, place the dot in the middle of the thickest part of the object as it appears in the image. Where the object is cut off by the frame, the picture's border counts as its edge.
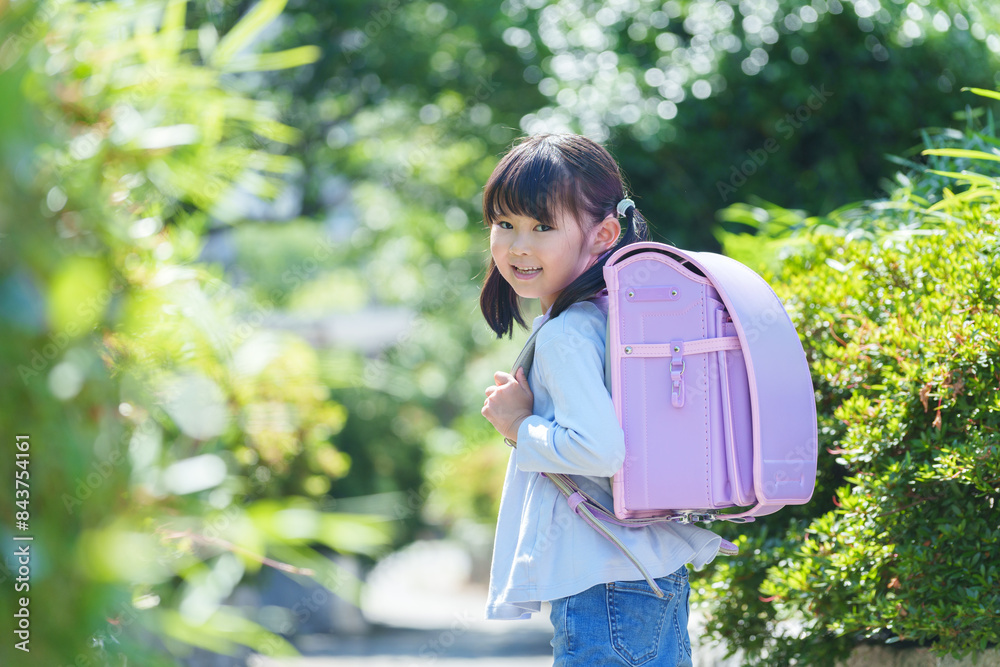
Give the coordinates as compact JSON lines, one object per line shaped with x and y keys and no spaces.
{"x":677,"y":373}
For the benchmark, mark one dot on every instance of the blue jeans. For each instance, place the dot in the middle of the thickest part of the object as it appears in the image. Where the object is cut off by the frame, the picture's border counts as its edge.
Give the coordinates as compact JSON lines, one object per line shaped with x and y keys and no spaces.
{"x":624,"y":623}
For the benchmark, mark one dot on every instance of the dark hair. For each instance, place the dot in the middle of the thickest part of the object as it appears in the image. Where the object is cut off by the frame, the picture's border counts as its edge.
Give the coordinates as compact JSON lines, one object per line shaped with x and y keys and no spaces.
{"x":540,"y":176}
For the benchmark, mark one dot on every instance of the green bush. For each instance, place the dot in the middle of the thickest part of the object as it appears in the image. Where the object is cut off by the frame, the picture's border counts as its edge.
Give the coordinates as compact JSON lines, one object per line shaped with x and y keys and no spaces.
{"x":896,"y":303}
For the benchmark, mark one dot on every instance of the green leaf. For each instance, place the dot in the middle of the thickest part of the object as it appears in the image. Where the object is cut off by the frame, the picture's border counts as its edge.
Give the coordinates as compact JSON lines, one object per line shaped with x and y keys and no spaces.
{"x":961,"y":152}
{"x":78,"y":295}
{"x":265,"y":62}
{"x":971,"y":177}
{"x":222,"y":632}
{"x":968,"y":195}
{"x":993,"y":94}
{"x":243,"y":32}
{"x":172,"y":31}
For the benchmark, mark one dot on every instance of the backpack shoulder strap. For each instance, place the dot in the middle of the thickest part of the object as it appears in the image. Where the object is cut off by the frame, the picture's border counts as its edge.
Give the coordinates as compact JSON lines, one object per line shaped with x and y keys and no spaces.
{"x":524,"y":360}
{"x":596,"y":516}
{"x":527,"y":354}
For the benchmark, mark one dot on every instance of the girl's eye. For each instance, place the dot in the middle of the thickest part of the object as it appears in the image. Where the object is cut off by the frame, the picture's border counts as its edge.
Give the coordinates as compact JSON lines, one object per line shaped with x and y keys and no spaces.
{"x":541,"y":227}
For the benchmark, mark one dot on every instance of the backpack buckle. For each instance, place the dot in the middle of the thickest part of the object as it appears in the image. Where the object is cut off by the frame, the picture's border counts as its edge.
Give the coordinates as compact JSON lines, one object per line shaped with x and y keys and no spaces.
{"x":677,"y":373}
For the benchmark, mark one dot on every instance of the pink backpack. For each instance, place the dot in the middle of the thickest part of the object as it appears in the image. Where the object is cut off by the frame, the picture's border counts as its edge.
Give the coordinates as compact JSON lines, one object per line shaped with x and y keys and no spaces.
{"x":713,"y":391}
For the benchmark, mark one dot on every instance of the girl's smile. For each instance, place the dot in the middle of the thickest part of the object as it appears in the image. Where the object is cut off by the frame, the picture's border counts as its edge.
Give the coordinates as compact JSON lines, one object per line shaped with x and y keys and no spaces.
{"x":526,"y":273}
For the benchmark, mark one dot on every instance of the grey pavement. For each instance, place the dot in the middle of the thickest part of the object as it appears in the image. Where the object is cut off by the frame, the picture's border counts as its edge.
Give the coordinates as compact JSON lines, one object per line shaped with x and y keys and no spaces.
{"x":423,"y":606}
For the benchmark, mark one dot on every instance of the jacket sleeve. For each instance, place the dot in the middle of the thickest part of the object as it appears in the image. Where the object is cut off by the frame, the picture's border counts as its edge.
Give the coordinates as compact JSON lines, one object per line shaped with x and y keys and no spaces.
{"x":585,"y":437}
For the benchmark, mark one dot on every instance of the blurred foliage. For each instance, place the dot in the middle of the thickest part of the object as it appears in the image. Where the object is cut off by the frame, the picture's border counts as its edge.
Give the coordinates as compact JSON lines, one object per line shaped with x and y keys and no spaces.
{"x":704,"y":102}
{"x":896,"y":303}
{"x":708,"y":102}
{"x":175,"y":446}
{"x":411,"y":104}
{"x":239,"y":273}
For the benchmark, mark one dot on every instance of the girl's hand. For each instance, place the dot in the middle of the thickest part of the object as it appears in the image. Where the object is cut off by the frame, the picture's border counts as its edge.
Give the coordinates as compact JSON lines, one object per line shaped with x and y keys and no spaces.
{"x":508,"y":403}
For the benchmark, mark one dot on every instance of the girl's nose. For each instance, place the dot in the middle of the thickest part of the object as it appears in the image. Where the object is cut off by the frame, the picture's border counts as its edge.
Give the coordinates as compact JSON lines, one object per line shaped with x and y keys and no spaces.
{"x":519,"y":246}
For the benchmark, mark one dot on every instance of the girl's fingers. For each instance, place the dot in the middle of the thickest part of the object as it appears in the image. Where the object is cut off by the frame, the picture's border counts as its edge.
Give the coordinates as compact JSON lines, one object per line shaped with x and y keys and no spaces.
{"x":522,"y":380}
{"x":502,"y":378}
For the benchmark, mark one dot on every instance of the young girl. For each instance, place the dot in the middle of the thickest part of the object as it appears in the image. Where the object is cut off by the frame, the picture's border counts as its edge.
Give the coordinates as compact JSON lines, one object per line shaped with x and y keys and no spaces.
{"x":552,"y":206}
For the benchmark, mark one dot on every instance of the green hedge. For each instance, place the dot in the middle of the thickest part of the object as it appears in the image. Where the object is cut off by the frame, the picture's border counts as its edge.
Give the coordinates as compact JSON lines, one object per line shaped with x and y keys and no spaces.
{"x":896,"y":303}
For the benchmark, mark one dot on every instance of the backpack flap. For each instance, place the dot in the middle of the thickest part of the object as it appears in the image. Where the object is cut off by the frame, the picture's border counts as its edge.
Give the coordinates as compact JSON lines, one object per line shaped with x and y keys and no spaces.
{"x":783,"y":415}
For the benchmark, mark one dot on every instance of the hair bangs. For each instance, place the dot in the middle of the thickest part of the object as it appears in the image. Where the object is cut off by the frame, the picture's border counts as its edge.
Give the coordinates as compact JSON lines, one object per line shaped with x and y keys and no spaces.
{"x":534,"y":182}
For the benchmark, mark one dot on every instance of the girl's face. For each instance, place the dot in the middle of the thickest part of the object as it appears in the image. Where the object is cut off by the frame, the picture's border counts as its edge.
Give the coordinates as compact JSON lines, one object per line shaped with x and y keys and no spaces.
{"x":537,"y":260}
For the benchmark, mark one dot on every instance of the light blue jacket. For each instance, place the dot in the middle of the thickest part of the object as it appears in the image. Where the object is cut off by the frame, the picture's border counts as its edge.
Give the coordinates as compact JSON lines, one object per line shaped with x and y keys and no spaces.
{"x":543,"y":551}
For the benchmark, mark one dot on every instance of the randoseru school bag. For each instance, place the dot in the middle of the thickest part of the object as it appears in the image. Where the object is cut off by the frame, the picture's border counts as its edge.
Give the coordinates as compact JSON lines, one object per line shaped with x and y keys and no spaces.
{"x":712,"y":388}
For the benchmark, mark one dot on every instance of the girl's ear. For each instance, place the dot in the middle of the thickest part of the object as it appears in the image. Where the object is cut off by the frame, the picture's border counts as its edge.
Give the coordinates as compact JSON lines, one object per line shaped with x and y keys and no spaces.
{"x":605,"y":234}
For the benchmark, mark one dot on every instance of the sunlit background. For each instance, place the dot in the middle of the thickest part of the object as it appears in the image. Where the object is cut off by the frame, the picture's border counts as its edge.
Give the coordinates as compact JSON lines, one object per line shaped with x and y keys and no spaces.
{"x":240,"y":251}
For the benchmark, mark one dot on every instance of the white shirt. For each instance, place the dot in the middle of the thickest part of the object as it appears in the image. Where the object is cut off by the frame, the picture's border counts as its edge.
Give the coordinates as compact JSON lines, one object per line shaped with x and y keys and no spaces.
{"x":543,"y":551}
